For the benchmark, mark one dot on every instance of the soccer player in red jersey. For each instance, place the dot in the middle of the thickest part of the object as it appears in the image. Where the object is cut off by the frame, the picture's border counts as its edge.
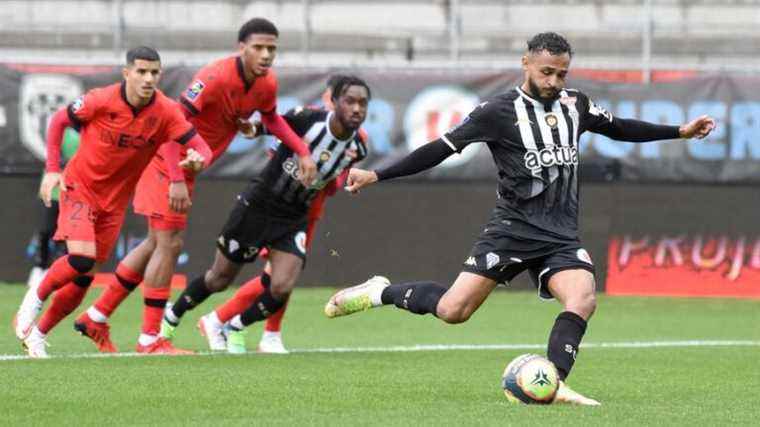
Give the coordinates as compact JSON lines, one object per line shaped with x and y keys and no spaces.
{"x":218,"y":102}
{"x":122,"y":126}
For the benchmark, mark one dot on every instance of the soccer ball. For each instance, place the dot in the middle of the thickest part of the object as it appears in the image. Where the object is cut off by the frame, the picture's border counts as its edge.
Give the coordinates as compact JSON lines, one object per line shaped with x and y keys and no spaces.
{"x":530,"y":378}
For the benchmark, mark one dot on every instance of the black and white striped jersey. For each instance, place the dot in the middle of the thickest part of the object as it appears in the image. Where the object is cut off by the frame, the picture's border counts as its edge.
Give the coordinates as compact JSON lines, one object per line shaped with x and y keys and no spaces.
{"x":277,"y":186}
{"x":535,"y":148}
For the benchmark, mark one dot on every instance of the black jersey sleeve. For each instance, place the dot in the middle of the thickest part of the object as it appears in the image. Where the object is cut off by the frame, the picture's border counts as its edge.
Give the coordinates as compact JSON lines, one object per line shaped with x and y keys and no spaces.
{"x":483,"y":124}
{"x":598,"y":120}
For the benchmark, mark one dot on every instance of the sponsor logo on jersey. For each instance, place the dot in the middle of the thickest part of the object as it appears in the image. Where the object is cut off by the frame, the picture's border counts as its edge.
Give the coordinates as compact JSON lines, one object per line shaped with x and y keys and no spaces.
{"x":551,"y":120}
{"x":491,"y":260}
{"x":535,"y":160}
{"x":584,"y":256}
{"x":300,"y":241}
{"x":194,"y":90}
{"x":596,"y":110}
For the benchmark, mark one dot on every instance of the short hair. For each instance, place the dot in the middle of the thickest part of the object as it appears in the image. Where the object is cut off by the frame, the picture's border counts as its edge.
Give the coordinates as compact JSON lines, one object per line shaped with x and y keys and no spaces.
{"x":334,"y":79}
{"x":142,"y":52}
{"x":342,"y":82}
{"x":550,"y":42}
{"x":257,"y":26}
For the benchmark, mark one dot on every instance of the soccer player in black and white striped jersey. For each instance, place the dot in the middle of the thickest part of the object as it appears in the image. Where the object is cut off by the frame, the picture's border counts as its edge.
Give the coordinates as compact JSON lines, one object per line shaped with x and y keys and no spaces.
{"x":532,"y":132}
{"x":272,"y":211}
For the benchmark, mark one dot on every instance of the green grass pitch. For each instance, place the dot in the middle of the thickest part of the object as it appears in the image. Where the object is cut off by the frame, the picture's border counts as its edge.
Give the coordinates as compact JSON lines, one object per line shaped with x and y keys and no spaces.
{"x":671,"y":377}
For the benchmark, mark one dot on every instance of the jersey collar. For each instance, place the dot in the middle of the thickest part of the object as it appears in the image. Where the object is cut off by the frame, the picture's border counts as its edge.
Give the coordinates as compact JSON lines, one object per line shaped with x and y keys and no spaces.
{"x":329,"y":132}
{"x":135,"y":111}
{"x":241,"y":73}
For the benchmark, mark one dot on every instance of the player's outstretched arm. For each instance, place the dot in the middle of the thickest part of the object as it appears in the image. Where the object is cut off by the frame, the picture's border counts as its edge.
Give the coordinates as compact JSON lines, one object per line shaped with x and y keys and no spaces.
{"x":52,"y":177}
{"x":421,"y":159}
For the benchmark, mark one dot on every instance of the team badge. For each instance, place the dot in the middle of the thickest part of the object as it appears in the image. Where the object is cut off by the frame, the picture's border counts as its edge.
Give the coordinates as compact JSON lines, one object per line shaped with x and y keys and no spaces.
{"x":584,"y":256}
{"x":194,"y":90}
{"x":233,"y":246}
{"x":300,"y":241}
{"x":491,"y":260}
{"x":551,"y":120}
{"x":77,"y":104}
{"x":568,"y":100}
{"x":324,"y":156}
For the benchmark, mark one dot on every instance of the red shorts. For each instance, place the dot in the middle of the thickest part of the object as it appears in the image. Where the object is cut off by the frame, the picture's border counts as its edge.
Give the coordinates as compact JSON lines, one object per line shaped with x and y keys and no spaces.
{"x":152,"y":201}
{"x":80,"y":219}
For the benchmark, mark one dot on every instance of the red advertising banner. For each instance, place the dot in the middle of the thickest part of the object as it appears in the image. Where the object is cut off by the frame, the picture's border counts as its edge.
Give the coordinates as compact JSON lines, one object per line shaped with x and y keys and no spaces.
{"x":684,"y":265}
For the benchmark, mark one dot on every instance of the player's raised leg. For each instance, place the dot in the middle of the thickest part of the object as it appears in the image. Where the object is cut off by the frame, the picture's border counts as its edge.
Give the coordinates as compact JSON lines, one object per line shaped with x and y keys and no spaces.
{"x":453,"y":305}
{"x":575,"y":290}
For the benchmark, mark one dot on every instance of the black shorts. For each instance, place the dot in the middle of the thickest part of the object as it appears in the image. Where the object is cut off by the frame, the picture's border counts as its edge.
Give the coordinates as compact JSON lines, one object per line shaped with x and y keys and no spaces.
{"x":500,"y":256}
{"x":250,"y":228}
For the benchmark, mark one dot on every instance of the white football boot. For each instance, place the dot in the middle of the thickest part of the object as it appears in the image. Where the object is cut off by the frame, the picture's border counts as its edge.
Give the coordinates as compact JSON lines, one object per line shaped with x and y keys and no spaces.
{"x":35,"y":277}
{"x":271,"y":342}
{"x":211,"y":328}
{"x":567,"y":395}
{"x":35,"y":344}
{"x":357,"y":298}
{"x":30,"y":307}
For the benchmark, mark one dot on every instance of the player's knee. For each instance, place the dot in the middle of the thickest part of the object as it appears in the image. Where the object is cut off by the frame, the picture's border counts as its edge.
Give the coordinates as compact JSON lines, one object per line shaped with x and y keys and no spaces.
{"x":452,"y":313}
{"x":82,"y":264}
{"x":217,"y":281}
{"x":281,"y":289}
{"x":584,"y":305}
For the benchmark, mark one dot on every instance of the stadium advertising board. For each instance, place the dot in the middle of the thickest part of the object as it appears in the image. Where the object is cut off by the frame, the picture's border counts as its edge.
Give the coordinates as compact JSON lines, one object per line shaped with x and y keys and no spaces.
{"x":411,"y":107}
{"x":684,"y":265}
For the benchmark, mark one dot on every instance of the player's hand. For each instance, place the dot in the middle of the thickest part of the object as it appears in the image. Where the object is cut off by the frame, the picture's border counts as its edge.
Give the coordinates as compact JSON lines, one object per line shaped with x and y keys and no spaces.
{"x":193,"y":161}
{"x":247,"y":129}
{"x":179,"y":197}
{"x":49,"y":181}
{"x":697,"y":128}
{"x":307,"y":170}
{"x":358,"y":178}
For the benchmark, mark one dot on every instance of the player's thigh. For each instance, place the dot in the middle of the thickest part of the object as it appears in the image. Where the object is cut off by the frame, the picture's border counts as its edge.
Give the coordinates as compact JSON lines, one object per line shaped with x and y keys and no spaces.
{"x":76,"y":225}
{"x":465,"y":296}
{"x":107,"y":229}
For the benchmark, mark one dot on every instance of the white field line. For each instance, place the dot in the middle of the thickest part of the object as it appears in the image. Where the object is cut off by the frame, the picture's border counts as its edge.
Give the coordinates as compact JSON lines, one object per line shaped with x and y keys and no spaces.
{"x":439,"y":347}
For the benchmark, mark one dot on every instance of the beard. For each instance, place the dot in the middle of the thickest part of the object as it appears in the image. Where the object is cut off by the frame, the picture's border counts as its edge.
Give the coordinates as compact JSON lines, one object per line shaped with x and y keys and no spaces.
{"x":536,"y":92}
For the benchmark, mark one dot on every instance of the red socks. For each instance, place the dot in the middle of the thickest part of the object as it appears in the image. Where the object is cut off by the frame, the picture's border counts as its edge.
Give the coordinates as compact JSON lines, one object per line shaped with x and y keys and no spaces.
{"x":120,"y":286}
{"x":243,"y":298}
{"x":274,"y":322}
{"x":59,"y":274}
{"x":65,"y":300}
{"x":153,"y":310}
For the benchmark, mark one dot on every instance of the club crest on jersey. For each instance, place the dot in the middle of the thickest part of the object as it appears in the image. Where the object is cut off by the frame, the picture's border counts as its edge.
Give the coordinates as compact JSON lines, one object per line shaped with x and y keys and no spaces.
{"x":535,"y":160}
{"x":324,"y":156}
{"x":194,"y":90}
{"x":551,"y":120}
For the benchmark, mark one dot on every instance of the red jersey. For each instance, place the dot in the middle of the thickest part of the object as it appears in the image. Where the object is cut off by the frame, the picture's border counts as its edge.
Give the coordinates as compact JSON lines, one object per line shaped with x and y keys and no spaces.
{"x":219,"y":95}
{"x":118,"y":141}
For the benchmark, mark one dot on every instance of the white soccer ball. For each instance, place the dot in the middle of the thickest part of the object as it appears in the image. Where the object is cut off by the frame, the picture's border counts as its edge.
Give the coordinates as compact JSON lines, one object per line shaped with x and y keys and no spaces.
{"x":531,"y":379}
